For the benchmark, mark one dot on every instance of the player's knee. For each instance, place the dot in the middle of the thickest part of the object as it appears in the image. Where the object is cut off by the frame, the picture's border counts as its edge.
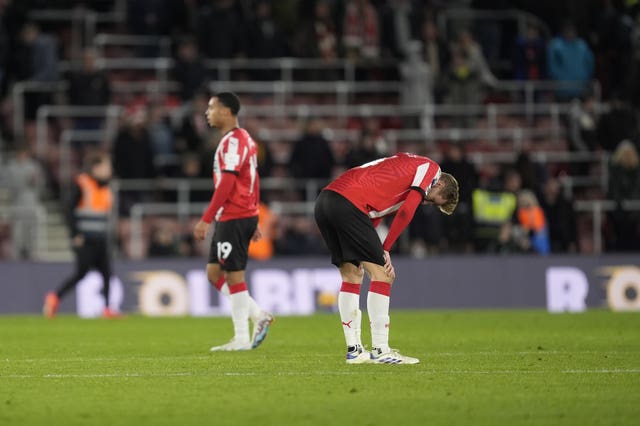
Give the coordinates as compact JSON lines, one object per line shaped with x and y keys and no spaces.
{"x":235,"y":277}
{"x":351,"y":273}
{"x":213,"y":275}
{"x":377,"y":273}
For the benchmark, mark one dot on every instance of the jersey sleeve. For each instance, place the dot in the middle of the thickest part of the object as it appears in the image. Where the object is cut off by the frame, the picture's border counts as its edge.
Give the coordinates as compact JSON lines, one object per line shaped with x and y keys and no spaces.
{"x":233,"y":153}
{"x":427,"y":174}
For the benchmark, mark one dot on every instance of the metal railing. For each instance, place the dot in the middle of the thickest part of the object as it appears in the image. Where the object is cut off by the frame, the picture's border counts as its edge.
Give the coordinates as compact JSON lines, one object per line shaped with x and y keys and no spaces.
{"x":181,"y":212}
{"x":18,"y":92}
{"x":21,"y":88}
{"x":104,"y":40}
{"x":83,"y":22}
{"x":466,"y":15}
{"x":597,"y":208}
{"x":109,"y":113}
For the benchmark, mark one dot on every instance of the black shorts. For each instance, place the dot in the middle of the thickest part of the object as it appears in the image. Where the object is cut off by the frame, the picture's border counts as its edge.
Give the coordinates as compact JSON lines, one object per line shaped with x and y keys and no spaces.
{"x":230,"y":243}
{"x":348,"y":232}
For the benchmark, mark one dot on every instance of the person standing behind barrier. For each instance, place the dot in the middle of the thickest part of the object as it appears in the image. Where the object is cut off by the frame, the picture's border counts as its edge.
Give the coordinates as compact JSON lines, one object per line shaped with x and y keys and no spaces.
{"x":89,"y":211}
{"x":25,"y":179}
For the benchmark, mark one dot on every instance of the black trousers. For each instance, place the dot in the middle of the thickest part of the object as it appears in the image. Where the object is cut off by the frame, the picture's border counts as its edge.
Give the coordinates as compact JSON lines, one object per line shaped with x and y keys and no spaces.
{"x":94,"y":254}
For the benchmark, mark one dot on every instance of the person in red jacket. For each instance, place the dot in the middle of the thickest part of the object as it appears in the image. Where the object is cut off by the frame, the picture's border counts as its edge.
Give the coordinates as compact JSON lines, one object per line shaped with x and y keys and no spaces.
{"x":234,"y":206}
{"x":347,"y":212}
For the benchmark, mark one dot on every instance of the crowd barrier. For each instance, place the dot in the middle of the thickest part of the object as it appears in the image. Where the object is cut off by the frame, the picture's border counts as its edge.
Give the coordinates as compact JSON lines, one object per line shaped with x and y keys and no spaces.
{"x":302,"y":286}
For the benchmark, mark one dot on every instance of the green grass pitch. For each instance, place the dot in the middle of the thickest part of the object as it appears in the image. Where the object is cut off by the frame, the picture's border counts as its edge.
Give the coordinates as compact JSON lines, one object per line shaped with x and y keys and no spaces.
{"x":477,"y":368}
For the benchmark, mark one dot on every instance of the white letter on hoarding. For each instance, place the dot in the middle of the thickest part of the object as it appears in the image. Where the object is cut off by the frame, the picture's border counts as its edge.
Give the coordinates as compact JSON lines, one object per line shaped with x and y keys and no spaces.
{"x":303,"y":301}
{"x":272,"y":290}
{"x":157,"y":284}
{"x":200,"y":295}
{"x":567,"y":289}
{"x":622,"y":280}
{"x":89,"y":299}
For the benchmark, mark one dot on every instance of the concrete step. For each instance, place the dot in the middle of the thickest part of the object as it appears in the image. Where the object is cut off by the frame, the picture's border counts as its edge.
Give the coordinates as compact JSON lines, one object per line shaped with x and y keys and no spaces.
{"x":57,"y":256}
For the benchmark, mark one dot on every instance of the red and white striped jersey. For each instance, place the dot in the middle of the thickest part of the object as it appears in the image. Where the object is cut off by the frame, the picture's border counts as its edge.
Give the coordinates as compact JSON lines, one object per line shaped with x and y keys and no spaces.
{"x":379,"y":188}
{"x":237,"y":154}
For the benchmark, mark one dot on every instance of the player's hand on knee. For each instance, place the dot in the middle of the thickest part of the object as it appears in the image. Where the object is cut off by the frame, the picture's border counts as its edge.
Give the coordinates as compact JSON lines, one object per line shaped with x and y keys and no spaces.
{"x":388,"y":266}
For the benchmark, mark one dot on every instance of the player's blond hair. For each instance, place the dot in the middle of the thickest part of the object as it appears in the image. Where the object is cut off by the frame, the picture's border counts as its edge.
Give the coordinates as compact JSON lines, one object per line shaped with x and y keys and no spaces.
{"x":449,"y":192}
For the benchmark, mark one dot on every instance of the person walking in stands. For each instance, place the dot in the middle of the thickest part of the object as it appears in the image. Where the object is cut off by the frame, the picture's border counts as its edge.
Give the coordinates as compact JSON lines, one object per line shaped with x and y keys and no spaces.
{"x":234,"y":206}
{"x":88,"y":217}
{"x":347,"y":212}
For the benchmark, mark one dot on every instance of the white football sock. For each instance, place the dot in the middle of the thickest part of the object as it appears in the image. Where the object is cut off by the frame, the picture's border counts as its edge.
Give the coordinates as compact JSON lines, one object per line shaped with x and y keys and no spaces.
{"x":378,"y":308}
{"x":240,"y":311}
{"x":254,"y":309}
{"x":348,"y":305}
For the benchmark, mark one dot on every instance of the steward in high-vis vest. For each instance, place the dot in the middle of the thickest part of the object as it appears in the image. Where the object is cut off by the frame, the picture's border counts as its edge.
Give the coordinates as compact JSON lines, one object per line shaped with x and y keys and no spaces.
{"x":88,"y":217}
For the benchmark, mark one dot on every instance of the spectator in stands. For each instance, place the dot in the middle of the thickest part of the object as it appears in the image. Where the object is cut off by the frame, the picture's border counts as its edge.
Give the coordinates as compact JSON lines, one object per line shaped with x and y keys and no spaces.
{"x":426,"y":232}
{"x":192,"y":167}
{"x":37,"y":61}
{"x":312,"y":157}
{"x":459,"y":227}
{"x":492,"y":208}
{"x":526,"y":232}
{"x":162,"y":140}
{"x":530,"y":55}
{"x":132,"y":150}
{"x":298,"y":236}
{"x":617,"y":123}
{"x":437,"y":56}
{"x":318,"y":39}
{"x":624,"y":184}
{"x":417,"y":83}
{"x":220,"y":27}
{"x":561,"y":218}
{"x":533,"y":175}
{"x":189,"y":69}
{"x":583,"y":130}
{"x":89,"y":87}
{"x":163,"y":243}
{"x":361,"y":37}
{"x":194,"y":130}
{"x":264,"y":40}
{"x":611,"y":38}
{"x":150,"y":17}
{"x":4,"y":49}
{"x":25,"y":180}
{"x":369,"y":147}
{"x":468,"y":74}
{"x":631,"y":88}
{"x":569,"y":58}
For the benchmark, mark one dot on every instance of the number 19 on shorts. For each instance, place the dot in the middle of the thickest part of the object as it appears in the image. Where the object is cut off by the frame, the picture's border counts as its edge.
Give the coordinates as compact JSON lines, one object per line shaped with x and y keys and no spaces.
{"x":224,"y":250}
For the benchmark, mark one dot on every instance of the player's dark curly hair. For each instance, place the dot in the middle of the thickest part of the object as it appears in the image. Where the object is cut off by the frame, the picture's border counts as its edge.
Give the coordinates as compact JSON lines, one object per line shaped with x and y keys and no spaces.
{"x":230,"y":100}
{"x":450,"y":192}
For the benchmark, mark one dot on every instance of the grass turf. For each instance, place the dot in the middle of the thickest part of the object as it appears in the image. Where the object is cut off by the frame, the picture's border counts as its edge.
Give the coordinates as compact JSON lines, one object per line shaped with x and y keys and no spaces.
{"x":477,"y":367}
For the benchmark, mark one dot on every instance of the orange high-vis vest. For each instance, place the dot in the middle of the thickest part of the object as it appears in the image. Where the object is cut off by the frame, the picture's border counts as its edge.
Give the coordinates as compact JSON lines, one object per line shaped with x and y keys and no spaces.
{"x":94,"y":197}
{"x":92,"y":212}
{"x":532,"y":218}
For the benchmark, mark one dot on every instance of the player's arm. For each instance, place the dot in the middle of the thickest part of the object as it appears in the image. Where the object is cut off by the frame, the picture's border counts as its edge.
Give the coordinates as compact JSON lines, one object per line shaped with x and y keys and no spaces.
{"x":220,"y":196}
{"x":402,"y":218}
